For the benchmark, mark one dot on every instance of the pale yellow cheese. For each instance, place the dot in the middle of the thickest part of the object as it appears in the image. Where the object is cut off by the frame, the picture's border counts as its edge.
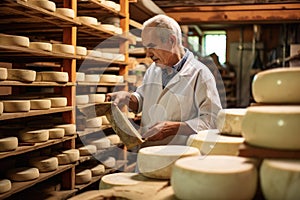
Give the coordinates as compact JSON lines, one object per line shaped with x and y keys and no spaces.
{"x":94,"y":53}
{"x":70,"y":129}
{"x":5,"y":185}
{"x":109,"y":162}
{"x":56,"y":133}
{"x":3,"y":74}
{"x":96,"y":98}
{"x":63,"y":48}
{"x":40,"y":104}
{"x":66,"y":12}
{"x":16,"y":106}
{"x":68,"y":156}
{"x":108,"y":78}
{"x":109,"y":27}
{"x":8,"y":144}
{"x":88,"y":20}
{"x":114,"y":139}
{"x":157,"y":161}
{"x":1,"y":107}
{"x":58,"y":102}
{"x":83,"y":177}
{"x":45,"y":4}
{"x":23,"y":75}
{"x":45,"y":46}
{"x":87,"y":150}
{"x":105,"y":120}
{"x":214,"y":177}
{"x":44,"y":163}
{"x":82,"y":99}
{"x":118,"y":179}
{"x":101,"y":143}
{"x":82,"y":51}
{"x":34,"y":136}
{"x":80,"y":76}
{"x":92,"y":78}
{"x":98,"y":170}
{"x":60,"y":77}
{"x":95,"y":122}
{"x":274,"y":127}
{"x":14,"y":40}
{"x":280,"y":178}
{"x":23,"y":174}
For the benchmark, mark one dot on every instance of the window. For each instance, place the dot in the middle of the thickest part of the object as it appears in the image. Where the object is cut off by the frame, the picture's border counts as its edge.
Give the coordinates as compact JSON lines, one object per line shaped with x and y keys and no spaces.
{"x":214,"y":42}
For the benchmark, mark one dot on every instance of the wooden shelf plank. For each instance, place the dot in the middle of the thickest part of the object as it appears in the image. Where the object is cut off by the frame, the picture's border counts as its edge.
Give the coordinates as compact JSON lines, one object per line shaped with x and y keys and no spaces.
{"x":19,"y":186}
{"x":32,"y":147}
{"x":36,"y":83}
{"x":94,"y":60}
{"x":6,"y":116}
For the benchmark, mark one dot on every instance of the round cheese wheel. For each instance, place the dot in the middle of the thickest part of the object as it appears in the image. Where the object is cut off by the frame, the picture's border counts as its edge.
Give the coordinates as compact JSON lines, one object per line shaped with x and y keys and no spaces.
{"x":229,"y":121}
{"x":68,"y":156}
{"x":210,"y":142}
{"x":61,"y":77}
{"x":14,"y":40}
{"x":3,"y":73}
{"x":277,"y":86}
{"x":40,"y":104}
{"x":56,"y":133}
{"x":47,"y":5}
{"x":5,"y":185}
{"x":70,"y":129}
{"x":82,"y":51}
{"x":118,"y":179}
{"x":108,"y":27}
{"x":214,"y":177}
{"x":269,"y":126}
{"x":58,"y":102}
{"x":280,"y":179}
{"x":94,"y":53}
{"x":114,"y":139}
{"x":82,"y":99}
{"x":44,"y":163}
{"x":66,"y":12}
{"x":157,"y":161}
{"x":95,"y":122}
{"x":110,"y":4}
{"x":63,"y":48}
{"x":83,"y":177}
{"x":16,"y":106}
{"x":8,"y":144}
{"x":119,"y":31}
{"x":23,"y":174}
{"x":98,"y":170}
{"x":80,"y":76}
{"x":102,"y":143}
{"x":92,"y":78}
{"x":87,"y":150}
{"x":108,"y":78}
{"x":34,"y":135}
{"x":88,"y":20}
{"x":1,"y":108}
{"x":109,"y":162}
{"x":96,"y":98}
{"x":45,"y":46}
{"x":106,"y":55}
{"x":105,"y":120}
{"x":120,"y":79}
{"x":24,"y":75}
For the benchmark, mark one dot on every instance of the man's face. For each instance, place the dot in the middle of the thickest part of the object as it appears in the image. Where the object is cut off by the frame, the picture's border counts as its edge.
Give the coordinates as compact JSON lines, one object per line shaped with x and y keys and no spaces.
{"x":160,"y":52}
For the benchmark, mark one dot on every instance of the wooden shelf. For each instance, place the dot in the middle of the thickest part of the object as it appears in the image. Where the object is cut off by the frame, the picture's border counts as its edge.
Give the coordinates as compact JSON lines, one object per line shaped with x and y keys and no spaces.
{"x":35,"y":146}
{"x":6,"y":116}
{"x":88,"y":131}
{"x":35,"y":83}
{"x":19,"y":186}
{"x":101,"y":84}
{"x":88,"y":60}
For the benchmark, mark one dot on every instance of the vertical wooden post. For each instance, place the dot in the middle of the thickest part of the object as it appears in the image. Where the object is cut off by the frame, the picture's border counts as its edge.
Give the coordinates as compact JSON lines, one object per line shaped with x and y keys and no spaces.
{"x":124,"y":23}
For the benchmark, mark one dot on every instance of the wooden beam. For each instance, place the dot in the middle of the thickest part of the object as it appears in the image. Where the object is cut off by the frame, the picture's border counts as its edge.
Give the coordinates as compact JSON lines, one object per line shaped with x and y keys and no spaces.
{"x":271,"y":13}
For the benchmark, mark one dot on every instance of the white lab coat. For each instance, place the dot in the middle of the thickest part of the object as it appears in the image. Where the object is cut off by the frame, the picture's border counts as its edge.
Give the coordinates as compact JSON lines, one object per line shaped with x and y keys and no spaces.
{"x":190,"y":96}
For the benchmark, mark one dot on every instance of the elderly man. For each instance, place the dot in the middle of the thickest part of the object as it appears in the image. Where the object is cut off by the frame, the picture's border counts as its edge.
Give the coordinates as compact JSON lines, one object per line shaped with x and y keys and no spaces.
{"x":178,"y":96}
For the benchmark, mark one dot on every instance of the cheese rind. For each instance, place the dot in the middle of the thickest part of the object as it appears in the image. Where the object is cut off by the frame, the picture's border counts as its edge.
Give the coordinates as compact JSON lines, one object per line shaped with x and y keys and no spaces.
{"x":56,"y":133}
{"x":16,"y":106}
{"x":60,"y":77}
{"x":33,"y":136}
{"x":94,"y":78}
{"x":114,"y":139}
{"x":8,"y":144}
{"x":57,"y":102}
{"x":102,"y":143}
{"x":23,"y":75}
{"x":87,"y":150}
{"x":45,"y":46}
{"x":96,"y":98}
{"x":47,"y":5}
{"x":14,"y":40}
{"x":44,"y":163}
{"x":3,"y":74}
{"x":109,"y":162}
{"x":5,"y":185}
{"x":68,"y":156}
{"x":118,"y":179}
{"x":40,"y":104}
{"x":80,"y":76}
{"x":95,"y":122}
{"x":66,"y":12}
{"x":23,"y":174}
{"x":98,"y":170}
{"x":82,"y":99}
{"x":83,"y":177}
{"x":88,"y":20}
{"x":63,"y":48}
{"x":82,"y":51}
{"x":108,"y":78}
{"x":70,"y":129}
{"x":1,"y":107}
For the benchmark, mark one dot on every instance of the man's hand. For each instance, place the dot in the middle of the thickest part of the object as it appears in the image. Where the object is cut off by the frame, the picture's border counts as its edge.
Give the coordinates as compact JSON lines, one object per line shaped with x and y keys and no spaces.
{"x":162,"y":130}
{"x":119,"y":98}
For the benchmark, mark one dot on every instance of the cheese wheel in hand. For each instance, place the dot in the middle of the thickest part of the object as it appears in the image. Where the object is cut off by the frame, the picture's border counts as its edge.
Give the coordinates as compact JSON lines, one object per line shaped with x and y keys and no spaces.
{"x":157,"y":161}
{"x":5,"y":185}
{"x":8,"y":144}
{"x":23,"y":174}
{"x":44,"y":163}
{"x":214,"y":177}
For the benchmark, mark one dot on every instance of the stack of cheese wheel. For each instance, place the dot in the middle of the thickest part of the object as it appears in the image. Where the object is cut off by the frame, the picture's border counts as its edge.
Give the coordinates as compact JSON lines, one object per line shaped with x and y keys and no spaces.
{"x":33,"y":136}
{"x":214,"y":177}
{"x":3,"y":74}
{"x":45,"y":46}
{"x":45,"y":4}
{"x":11,"y":106}
{"x":83,"y":177}
{"x":23,"y":174}
{"x":40,"y":104}
{"x":14,"y":40}
{"x":68,"y":156}
{"x":5,"y":185}
{"x":57,"y":102}
{"x":66,"y":12}
{"x":211,"y":142}
{"x":70,"y":129}
{"x":23,"y":75}
{"x":60,"y":77}
{"x":8,"y":144}
{"x":87,"y":150}
{"x":44,"y":163}
{"x":98,"y":170}
{"x":157,"y":161}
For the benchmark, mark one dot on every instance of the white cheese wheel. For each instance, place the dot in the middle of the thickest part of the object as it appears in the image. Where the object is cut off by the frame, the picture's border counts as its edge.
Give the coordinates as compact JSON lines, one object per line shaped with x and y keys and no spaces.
{"x":277,"y":86}
{"x":118,"y":57}
{"x":108,"y":27}
{"x":21,"y":75}
{"x":1,"y":108}
{"x":214,"y":177}
{"x":14,"y":40}
{"x":82,"y":99}
{"x":88,"y":20}
{"x":3,"y":73}
{"x":98,"y":170}
{"x":66,"y":12}
{"x":40,"y":104}
{"x":82,"y":51}
{"x":70,"y":129}
{"x":92,"y":78}
{"x":118,"y":179}
{"x":8,"y":144}
{"x":108,"y":56}
{"x":80,"y":76}
{"x":23,"y":174}
{"x":114,"y":139}
{"x":109,"y":162}
{"x":61,"y":77}
{"x":229,"y":121}
{"x":44,"y":163}
{"x":83,"y":177}
{"x":118,"y":30}
{"x":95,"y":122}
{"x":280,"y":179}
{"x":34,"y":135}
{"x":47,"y":5}
{"x":96,"y":98}
{"x":110,"y":4}
{"x":68,"y":156}
{"x":16,"y":106}
{"x":45,"y":46}
{"x":101,"y":143}
{"x":94,"y":53}
{"x":108,"y":78}
{"x":87,"y":150}
{"x":210,"y":142}
{"x":120,"y":79}
{"x":5,"y":185}
{"x":157,"y":161}
{"x":63,"y":48}
{"x":56,"y":133}
{"x":105,"y":120}
{"x":272,"y":127}
{"x":58,"y":102}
